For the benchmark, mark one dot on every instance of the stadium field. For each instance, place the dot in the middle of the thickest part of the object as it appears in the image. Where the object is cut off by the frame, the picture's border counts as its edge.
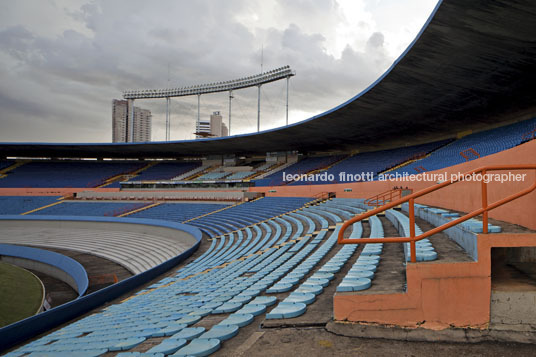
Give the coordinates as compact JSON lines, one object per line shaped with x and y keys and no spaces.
{"x":21,"y":294}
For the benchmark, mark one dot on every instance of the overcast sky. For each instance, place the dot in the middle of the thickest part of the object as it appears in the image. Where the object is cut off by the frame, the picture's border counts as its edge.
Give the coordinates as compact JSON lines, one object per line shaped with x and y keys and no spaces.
{"x":63,"y":61}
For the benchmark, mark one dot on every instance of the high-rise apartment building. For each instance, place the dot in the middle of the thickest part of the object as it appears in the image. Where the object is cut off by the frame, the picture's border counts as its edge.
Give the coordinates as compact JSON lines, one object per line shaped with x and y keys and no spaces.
{"x":141,"y":126}
{"x":211,"y":128}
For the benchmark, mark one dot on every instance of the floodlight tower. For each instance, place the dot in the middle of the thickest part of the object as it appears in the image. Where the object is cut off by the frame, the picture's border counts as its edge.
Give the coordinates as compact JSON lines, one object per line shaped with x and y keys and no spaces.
{"x":228,"y":86}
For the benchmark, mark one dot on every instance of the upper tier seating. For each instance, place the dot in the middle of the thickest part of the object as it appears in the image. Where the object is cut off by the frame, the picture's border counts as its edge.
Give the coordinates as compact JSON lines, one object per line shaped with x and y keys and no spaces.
{"x":240,"y":175}
{"x":178,"y":212}
{"x":66,"y":173}
{"x":483,"y":143}
{"x":22,"y":204}
{"x":68,"y":208}
{"x":245,"y":214}
{"x":378,"y":161}
{"x":5,"y":164}
{"x":166,"y":171}
{"x":212,"y":176}
{"x":301,"y":167}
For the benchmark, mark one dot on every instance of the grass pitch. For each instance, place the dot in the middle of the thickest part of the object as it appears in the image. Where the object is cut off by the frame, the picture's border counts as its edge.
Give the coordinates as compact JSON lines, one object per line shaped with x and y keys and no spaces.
{"x":20,"y":294}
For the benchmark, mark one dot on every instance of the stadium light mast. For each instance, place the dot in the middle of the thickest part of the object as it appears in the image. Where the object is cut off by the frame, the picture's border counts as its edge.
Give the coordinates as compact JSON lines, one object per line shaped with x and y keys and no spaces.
{"x":228,"y":86}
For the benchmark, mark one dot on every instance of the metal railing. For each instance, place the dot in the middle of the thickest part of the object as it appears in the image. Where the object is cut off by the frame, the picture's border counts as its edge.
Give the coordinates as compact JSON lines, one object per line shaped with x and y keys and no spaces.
{"x":386,"y":197}
{"x":486,"y":207}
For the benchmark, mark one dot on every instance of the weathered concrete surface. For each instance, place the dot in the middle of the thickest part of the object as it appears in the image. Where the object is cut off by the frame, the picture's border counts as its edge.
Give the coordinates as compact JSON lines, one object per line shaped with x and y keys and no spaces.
{"x":513,"y":310}
{"x":456,"y":335}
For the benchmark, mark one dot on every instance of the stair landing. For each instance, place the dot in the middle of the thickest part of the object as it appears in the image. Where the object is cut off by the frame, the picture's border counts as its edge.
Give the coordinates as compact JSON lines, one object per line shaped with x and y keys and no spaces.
{"x":439,"y":294}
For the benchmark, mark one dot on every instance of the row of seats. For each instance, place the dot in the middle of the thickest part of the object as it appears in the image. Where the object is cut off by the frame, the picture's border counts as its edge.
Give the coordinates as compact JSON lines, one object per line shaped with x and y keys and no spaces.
{"x":240,"y":175}
{"x":170,"y":306}
{"x":21,"y":204}
{"x":376,"y":162}
{"x":166,"y":170}
{"x":210,"y":176}
{"x":483,"y":143}
{"x":38,"y":174}
{"x":473,"y":225}
{"x":243,"y":215}
{"x":424,"y":248}
{"x":360,"y":275}
{"x":93,"y":173}
{"x":301,"y":167}
{"x":178,"y":212}
{"x":235,"y":278}
{"x":438,"y":155}
{"x":87,"y":208}
{"x":5,"y":164}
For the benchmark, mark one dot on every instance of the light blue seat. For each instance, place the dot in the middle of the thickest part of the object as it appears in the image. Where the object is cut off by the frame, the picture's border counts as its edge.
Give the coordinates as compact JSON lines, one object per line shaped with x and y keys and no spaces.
{"x":354,"y":284}
{"x":279,"y":288}
{"x":221,"y":332}
{"x":305,"y":298}
{"x":189,"y":320}
{"x":199,"y":347}
{"x":313,"y":289}
{"x":168,"y":346}
{"x":139,"y":354}
{"x":240,"y":320}
{"x":227,"y":307}
{"x":173,"y":329}
{"x":358,"y":273}
{"x":286,"y":310}
{"x":127,"y":344}
{"x":254,"y":309}
{"x":188,"y":333}
{"x":265,"y":300}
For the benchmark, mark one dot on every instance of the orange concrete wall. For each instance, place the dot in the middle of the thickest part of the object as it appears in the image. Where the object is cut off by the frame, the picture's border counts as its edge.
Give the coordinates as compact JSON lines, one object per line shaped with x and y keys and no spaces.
{"x":439,"y":295}
{"x":463,"y":196}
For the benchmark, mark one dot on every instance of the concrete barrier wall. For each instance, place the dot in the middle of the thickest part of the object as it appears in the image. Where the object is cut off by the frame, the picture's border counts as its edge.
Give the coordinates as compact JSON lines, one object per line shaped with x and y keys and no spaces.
{"x":54,"y":264}
{"x":20,"y":331}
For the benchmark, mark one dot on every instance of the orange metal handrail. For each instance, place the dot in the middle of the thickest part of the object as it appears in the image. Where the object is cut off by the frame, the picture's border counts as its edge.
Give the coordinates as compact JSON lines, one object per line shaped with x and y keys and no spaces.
{"x":381,"y":198}
{"x":375,"y":198}
{"x":411,"y":200}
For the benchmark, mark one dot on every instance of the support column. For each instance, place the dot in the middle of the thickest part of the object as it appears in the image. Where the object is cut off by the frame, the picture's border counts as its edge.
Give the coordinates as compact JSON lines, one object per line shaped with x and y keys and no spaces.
{"x":288,"y":79}
{"x":129,"y":127}
{"x":259,"y":109}
{"x":198,"y":112}
{"x":230,"y":100}
{"x":168,"y":125}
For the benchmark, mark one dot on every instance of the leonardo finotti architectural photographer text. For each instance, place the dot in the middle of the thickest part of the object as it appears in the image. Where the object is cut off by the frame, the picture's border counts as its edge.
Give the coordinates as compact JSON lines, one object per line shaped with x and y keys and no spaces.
{"x":422,"y":177}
